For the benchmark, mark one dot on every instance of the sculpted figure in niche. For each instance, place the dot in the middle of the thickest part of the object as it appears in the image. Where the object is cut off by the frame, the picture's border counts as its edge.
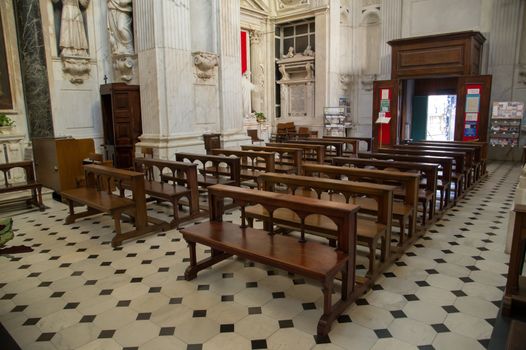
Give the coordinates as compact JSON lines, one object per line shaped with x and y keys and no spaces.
{"x":73,"y":41}
{"x":308,"y":51}
{"x":247,"y":87}
{"x":290,"y":53}
{"x":120,"y":26}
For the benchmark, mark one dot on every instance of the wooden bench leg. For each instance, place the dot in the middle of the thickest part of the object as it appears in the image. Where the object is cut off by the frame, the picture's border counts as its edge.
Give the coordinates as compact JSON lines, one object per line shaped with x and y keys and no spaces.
{"x":39,"y":199}
{"x":401,"y":223}
{"x":175,"y":220}
{"x":424,"y":212}
{"x":324,"y":325}
{"x":192,"y":270}
{"x":372,"y":257}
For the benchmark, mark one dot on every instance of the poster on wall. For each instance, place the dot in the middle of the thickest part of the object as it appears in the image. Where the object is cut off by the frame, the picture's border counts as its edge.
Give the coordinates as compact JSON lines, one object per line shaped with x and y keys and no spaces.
{"x":6,"y":101}
{"x":472,"y":112}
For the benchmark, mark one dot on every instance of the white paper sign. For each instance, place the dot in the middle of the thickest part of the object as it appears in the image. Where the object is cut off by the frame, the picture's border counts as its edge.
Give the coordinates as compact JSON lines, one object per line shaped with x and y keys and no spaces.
{"x":471,"y":117}
{"x":385,"y":94}
{"x":473,"y":91}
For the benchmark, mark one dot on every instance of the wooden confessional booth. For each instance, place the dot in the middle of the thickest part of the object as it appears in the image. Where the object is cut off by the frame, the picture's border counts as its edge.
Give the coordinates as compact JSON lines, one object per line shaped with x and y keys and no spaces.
{"x":444,"y":64}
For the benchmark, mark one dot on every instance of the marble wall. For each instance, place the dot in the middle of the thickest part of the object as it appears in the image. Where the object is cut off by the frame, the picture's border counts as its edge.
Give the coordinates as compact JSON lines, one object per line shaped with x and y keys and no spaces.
{"x":33,"y":67}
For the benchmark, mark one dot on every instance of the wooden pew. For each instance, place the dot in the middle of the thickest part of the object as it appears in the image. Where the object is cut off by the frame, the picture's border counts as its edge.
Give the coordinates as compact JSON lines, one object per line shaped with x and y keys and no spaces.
{"x":446,"y":164}
{"x":459,"y":172}
{"x":310,"y":259}
{"x":471,"y":165}
{"x":185,"y":186}
{"x":29,"y":183}
{"x":287,"y":160}
{"x":252,"y":163}
{"x":350,"y":145}
{"x":368,"y":141}
{"x":311,"y":152}
{"x":98,"y":198}
{"x":369,"y":232}
{"x":481,"y":155}
{"x":209,"y":167}
{"x":427,"y":170}
{"x":333,"y":148}
{"x":409,"y":183}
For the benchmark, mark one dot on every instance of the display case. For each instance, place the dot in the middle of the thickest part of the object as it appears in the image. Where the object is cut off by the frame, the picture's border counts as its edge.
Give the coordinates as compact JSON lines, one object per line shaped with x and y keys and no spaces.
{"x":336,"y":121}
{"x":505,"y":127}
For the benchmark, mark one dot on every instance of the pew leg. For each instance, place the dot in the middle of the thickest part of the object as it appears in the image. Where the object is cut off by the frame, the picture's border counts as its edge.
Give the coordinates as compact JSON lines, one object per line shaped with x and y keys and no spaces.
{"x":372,"y":257}
{"x":442,"y":199}
{"x":117,"y":220}
{"x":424,"y":212}
{"x":250,"y":222}
{"x":71,"y":217}
{"x":324,"y":324}
{"x":39,"y":199}
{"x":432,"y":205}
{"x":401,"y":222}
{"x":175,"y":221}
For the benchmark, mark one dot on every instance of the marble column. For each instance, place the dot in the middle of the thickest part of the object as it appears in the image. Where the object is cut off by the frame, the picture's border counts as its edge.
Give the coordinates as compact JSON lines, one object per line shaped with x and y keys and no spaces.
{"x":391,"y":28}
{"x":503,"y":46}
{"x":229,"y":49}
{"x":33,"y":68}
{"x":163,"y":40}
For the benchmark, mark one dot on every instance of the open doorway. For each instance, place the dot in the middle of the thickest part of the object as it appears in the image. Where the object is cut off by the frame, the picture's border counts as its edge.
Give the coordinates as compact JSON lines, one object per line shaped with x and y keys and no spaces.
{"x":441,"y":117}
{"x":433,"y":117}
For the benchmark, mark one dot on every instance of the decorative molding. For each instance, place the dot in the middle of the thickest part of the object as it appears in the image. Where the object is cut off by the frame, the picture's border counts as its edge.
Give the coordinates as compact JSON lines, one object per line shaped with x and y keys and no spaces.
{"x":367,"y":81}
{"x":256,"y":36}
{"x":76,"y":68}
{"x":346,"y":81}
{"x":288,"y":4}
{"x":124,"y":64}
{"x":205,"y":63}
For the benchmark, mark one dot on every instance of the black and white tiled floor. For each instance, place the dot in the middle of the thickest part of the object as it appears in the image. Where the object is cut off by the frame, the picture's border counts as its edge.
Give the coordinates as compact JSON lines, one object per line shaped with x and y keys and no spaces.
{"x":76,"y":292}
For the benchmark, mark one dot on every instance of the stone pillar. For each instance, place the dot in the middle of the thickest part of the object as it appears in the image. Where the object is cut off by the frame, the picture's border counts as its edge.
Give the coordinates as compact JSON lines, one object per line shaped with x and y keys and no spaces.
{"x":163,"y":40}
{"x":391,"y":28}
{"x":503,"y":45}
{"x":33,"y":67}
{"x":229,"y":45}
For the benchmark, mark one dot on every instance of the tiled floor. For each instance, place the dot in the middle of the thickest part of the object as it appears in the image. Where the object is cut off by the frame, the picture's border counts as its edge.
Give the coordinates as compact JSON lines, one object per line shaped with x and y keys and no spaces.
{"x":76,"y":292}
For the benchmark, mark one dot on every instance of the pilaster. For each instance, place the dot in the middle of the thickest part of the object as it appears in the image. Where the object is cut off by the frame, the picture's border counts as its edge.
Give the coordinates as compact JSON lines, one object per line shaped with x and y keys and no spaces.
{"x":391,"y":28}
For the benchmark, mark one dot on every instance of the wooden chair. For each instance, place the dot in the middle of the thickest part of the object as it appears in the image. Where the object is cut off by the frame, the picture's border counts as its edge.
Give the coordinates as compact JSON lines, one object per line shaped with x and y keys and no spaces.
{"x":253,"y":133}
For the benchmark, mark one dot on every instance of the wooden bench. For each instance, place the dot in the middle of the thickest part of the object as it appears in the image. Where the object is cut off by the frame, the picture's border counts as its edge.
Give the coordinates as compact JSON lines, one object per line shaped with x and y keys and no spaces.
{"x":368,"y":141}
{"x":427,"y":170}
{"x":287,"y":160}
{"x":481,"y":150}
{"x":185,"y":186}
{"x":211,"y":169}
{"x":311,"y":153}
{"x":459,"y":172}
{"x":470,"y":165}
{"x":444,"y":187}
{"x":370,"y":230}
{"x":28,"y":184}
{"x":409,"y":183}
{"x":350,"y":145}
{"x":310,"y":259}
{"x":99,"y":199}
{"x":333,"y":148}
{"x":252,"y":163}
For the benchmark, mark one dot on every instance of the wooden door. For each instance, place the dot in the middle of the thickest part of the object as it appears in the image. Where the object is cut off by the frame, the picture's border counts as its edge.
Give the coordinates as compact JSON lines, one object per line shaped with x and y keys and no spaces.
{"x":386,"y":100}
{"x":472,"y":114}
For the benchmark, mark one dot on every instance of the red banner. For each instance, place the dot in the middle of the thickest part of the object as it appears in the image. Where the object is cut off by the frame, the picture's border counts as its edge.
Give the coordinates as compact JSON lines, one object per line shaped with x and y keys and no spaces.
{"x":244,"y":56}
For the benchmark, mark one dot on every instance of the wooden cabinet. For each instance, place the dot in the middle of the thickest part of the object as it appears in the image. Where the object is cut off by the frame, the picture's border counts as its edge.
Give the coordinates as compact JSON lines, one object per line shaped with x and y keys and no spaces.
{"x":443,"y":55}
{"x":212,"y":141}
{"x":58,"y":162}
{"x":121,"y":120}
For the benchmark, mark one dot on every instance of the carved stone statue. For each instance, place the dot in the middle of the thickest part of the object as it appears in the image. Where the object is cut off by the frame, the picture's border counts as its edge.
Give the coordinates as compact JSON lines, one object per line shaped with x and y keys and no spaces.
{"x":290,"y":53}
{"x":205,"y":62}
{"x":73,"y":41}
{"x":121,"y":36}
{"x":284,"y":73}
{"x":308,"y":51}
{"x":247,"y":87}
{"x":309,"y":67}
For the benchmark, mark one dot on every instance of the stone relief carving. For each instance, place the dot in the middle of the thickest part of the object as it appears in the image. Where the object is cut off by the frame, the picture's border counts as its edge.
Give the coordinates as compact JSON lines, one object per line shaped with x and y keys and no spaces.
{"x":367,"y":81}
{"x":205,"y":62}
{"x":346,"y":81}
{"x":119,"y":22}
{"x":308,"y":51}
{"x":309,"y":67}
{"x":284,"y":73}
{"x":283,"y":4}
{"x":255,"y":37}
{"x":73,"y":41}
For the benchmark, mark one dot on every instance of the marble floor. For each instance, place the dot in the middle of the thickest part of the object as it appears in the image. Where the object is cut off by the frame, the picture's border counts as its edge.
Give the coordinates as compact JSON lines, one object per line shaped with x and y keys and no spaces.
{"x":76,"y":292}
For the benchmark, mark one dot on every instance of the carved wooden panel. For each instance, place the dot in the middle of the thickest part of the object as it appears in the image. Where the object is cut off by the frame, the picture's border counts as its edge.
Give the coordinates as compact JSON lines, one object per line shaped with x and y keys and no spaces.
{"x":453,"y":54}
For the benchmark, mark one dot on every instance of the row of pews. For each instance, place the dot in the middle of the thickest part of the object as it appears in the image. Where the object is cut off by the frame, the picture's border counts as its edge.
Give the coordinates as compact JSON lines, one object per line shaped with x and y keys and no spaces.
{"x":321,"y":202}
